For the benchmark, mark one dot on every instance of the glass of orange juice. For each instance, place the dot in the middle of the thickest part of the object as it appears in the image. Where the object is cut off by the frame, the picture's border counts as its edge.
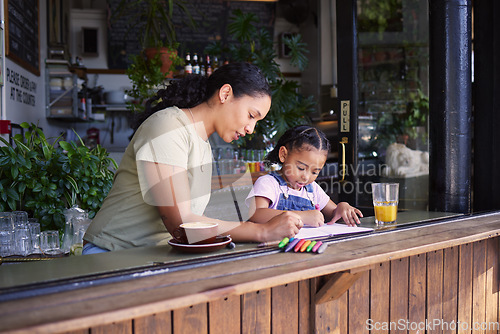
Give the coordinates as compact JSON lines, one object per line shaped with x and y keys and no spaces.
{"x":385,"y":202}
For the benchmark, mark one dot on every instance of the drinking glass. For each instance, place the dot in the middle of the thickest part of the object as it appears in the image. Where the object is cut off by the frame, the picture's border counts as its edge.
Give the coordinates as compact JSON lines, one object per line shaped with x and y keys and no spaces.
{"x":6,"y":234}
{"x":34,"y":227}
{"x":23,"y":240}
{"x":49,"y":242}
{"x":385,"y":202}
{"x":20,"y":218}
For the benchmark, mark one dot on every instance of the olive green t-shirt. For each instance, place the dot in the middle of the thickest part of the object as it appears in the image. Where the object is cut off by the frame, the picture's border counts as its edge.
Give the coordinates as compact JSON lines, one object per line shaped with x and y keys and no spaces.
{"x":128,"y":218}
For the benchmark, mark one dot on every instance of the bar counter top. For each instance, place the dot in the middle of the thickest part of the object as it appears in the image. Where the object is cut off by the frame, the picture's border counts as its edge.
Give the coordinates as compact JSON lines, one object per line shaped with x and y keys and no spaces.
{"x":60,"y":294}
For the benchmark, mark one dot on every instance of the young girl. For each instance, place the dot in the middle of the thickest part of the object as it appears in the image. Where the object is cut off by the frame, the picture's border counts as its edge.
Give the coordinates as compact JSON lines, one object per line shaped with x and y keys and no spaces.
{"x":302,"y":152}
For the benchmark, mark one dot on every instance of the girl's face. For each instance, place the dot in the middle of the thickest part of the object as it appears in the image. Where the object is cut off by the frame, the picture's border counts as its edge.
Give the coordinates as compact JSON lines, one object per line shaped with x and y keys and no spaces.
{"x":240,"y":115}
{"x":301,"y":166}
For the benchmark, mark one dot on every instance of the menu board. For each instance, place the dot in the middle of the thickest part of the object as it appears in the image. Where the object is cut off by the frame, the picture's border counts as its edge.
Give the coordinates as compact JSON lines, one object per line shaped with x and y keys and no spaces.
{"x":22,"y":33}
{"x":211,"y":18}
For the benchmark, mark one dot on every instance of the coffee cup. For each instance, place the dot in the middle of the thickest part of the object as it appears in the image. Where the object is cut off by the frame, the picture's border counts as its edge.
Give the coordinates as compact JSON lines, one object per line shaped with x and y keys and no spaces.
{"x":196,"y":233}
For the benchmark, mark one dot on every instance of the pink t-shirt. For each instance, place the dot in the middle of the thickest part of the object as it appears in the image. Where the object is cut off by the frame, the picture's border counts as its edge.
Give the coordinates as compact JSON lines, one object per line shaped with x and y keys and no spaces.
{"x":267,"y":186}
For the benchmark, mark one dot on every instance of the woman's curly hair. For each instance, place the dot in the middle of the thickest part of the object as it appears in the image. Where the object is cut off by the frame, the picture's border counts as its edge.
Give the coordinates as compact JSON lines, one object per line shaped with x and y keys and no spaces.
{"x":193,"y":89}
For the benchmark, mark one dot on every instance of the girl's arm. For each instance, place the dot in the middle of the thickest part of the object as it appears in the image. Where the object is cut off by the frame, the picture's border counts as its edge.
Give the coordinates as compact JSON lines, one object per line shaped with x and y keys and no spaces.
{"x":348,"y":213}
{"x":261,"y":213}
{"x":168,"y":190}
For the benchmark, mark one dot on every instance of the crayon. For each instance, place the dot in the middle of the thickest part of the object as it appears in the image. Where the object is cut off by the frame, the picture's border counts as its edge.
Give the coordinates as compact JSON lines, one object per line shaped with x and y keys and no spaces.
{"x":283,"y":242}
{"x":322,"y":248}
{"x":315,"y":247}
{"x":311,"y":245}
{"x":298,"y":245}
{"x":291,"y":245}
{"x":304,"y":245}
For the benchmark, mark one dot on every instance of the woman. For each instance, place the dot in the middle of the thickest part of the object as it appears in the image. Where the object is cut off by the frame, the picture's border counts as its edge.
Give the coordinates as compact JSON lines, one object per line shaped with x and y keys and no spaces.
{"x":165,"y":174}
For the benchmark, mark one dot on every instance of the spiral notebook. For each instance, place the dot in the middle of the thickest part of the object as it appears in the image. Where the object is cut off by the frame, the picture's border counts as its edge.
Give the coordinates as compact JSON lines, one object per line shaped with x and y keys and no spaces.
{"x":329,"y":230}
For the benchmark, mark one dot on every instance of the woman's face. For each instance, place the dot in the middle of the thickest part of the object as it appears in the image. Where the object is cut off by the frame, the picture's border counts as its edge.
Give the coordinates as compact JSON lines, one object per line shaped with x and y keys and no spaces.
{"x":240,"y":116}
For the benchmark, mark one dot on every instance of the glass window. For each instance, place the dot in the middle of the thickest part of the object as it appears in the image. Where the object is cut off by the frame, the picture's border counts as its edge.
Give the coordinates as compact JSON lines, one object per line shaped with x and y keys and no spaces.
{"x":393,"y":73}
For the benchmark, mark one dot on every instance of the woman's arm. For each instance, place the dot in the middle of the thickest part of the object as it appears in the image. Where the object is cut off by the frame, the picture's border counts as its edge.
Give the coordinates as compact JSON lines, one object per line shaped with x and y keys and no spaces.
{"x":167,"y":188}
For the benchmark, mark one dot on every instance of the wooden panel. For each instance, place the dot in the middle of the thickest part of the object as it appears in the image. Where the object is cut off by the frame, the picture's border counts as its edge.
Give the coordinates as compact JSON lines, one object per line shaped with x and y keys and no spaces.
{"x":399,"y":293}
{"x":434,"y":288}
{"x":191,"y":319}
{"x":122,"y":327}
{"x":479,"y":284}
{"x":82,"y":331}
{"x":379,"y":294}
{"x":284,"y":306}
{"x":492,"y":283}
{"x":256,"y":312}
{"x":225,"y":315}
{"x":159,"y":323}
{"x":416,"y":290}
{"x":450,"y":289}
{"x":359,"y":305}
{"x":304,"y":306}
{"x":465,"y":287}
{"x":325,"y":316}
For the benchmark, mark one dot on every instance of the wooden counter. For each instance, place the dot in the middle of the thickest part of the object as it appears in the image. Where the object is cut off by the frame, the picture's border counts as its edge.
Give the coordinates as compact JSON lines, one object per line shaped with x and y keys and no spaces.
{"x":446,"y":271}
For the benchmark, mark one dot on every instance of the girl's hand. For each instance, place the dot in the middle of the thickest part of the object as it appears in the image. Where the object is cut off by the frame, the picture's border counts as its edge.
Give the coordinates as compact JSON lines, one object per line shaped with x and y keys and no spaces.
{"x":312,"y":218}
{"x":348,"y":213}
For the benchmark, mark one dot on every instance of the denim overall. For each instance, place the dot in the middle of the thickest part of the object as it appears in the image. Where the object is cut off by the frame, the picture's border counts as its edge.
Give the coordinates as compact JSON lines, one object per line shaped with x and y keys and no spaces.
{"x":293,"y":203}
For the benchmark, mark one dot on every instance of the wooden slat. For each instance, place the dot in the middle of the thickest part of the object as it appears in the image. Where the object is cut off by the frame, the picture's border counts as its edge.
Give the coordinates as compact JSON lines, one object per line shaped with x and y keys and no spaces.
{"x":450,"y":290}
{"x":465,"y":287}
{"x":479,"y":284}
{"x":156,"y":323}
{"x":81,"y":331}
{"x":122,"y":327}
{"x":379,"y":295}
{"x":435,"y":288}
{"x":224,"y":315}
{"x":284,"y":308}
{"x":304,"y":306}
{"x":492,"y":284}
{"x":359,"y":305}
{"x":399,"y":293}
{"x":256,"y":312}
{"x":417,"y":287}
{"x":330,"y":317}
{"x":191,"y":319}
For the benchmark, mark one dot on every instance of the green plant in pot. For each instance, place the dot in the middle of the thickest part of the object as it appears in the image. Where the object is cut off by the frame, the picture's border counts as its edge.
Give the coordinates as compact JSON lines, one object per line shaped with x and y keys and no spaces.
{"x":289,"y":107}
{"x":45,"y":178}
{"x":154,"y":21}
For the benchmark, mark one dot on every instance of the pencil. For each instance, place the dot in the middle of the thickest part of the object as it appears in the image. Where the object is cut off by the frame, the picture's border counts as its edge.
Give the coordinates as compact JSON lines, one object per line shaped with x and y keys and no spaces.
{"x":269,"y":243}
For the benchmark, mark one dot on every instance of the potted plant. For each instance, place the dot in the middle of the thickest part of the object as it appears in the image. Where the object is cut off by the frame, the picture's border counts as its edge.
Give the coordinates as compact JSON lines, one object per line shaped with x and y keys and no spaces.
{"x":154,"y":20}
{"x":45,"y":178}
{"x":250,"y":44}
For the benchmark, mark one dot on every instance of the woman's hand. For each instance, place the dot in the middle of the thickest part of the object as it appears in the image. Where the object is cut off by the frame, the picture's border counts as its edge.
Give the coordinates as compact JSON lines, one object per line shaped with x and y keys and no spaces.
{"x":348,"y":213}
{"x":286,"y":224}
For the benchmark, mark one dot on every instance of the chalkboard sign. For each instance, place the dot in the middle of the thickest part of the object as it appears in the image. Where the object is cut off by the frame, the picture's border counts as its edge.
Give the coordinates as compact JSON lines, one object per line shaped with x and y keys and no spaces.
{"x":210,"y":16}
{"x":22,"y":33}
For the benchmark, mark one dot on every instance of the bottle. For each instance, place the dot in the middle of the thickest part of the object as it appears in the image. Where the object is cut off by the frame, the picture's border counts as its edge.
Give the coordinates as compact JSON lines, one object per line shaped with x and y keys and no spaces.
{"x":196,"y":65}
{"x":188,"y":68}
{"x":208,"y":66}
{"x":202,"y":67}
{"x":216,"y":64}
